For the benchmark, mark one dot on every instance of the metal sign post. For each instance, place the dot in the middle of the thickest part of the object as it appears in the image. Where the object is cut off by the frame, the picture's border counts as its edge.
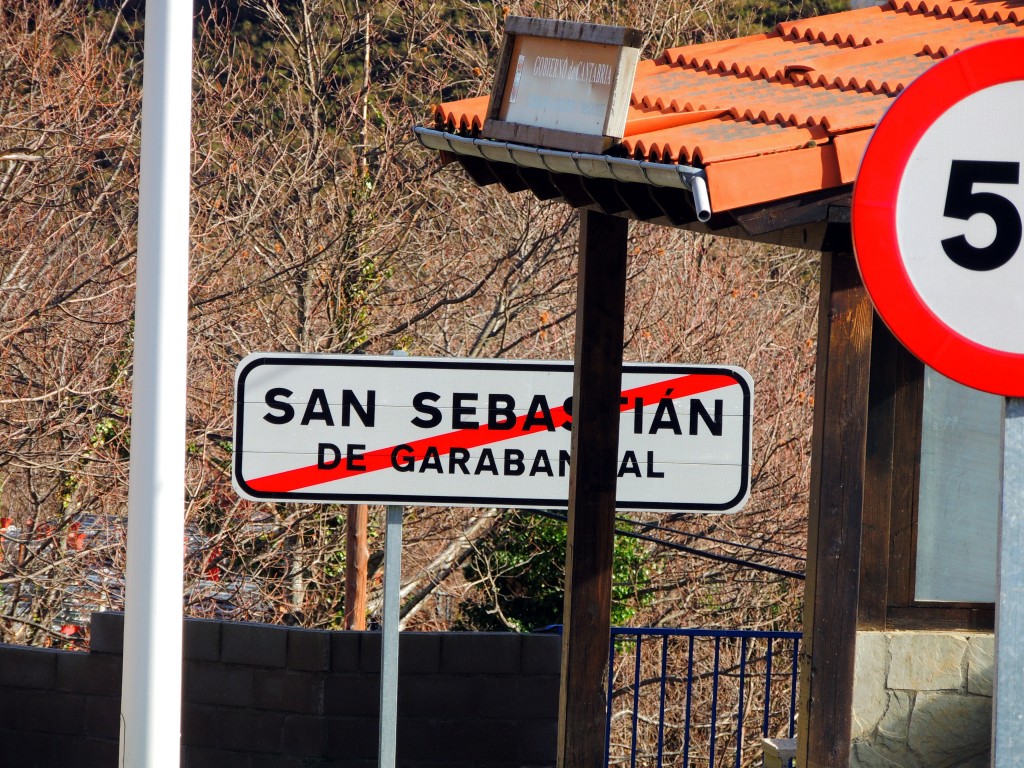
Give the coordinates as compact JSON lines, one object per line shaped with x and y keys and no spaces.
{"x":1008,"y":697}
{"x":389,"y":637}
{"x":151,"y":687}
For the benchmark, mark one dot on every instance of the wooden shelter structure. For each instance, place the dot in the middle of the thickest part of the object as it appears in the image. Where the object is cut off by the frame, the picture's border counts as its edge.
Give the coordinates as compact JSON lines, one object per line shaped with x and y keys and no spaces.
{"x":757,"y":138}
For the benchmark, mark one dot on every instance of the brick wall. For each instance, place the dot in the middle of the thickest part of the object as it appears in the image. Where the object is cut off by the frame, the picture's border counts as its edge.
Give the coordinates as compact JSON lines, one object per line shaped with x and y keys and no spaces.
{"x":260,"y":696}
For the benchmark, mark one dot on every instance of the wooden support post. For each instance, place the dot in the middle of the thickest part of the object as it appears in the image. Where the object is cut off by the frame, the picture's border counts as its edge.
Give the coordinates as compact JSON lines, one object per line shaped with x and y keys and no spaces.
{"x":356,"y":557}
{"x":834,"y":528}
{"x":600,"y":313}
{"x":888,"y":531}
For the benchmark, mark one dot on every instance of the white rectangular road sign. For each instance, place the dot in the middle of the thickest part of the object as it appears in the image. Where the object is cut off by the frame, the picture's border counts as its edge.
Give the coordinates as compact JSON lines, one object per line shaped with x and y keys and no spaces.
{"x":463,"y":432}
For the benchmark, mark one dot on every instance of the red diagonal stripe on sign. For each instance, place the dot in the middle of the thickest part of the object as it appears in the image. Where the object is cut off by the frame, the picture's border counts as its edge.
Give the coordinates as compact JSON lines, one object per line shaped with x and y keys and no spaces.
{"x":305,"y":477}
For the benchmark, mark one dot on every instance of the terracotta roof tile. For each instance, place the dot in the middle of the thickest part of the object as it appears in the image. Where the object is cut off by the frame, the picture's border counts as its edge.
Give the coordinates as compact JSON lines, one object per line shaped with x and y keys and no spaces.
{"x":758,"y":55}
{"x":851,"y":28}
{"x":796,"y":105}
{"x":723,"y":138}
{"x":465,"y":116}
{"x":995,"y":10}
{"x":732,"y":184}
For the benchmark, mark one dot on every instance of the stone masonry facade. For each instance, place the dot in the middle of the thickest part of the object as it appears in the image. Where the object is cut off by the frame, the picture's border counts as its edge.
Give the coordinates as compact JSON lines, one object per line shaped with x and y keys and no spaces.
{"x":922,"y":700}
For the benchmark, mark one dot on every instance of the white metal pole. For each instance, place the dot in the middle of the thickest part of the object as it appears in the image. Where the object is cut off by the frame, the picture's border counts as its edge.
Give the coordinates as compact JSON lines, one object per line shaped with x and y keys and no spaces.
{"x":389,"y":638}
{"x":151,"y":687}
{"x":1008,"y":702}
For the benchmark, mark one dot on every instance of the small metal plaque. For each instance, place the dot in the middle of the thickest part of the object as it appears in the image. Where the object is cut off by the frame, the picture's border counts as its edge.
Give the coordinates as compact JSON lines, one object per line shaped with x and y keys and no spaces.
{"x":564,"y":85}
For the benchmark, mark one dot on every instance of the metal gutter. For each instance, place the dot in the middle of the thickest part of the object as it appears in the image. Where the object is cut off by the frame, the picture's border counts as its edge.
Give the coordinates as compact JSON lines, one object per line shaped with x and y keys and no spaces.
{"x":577,"y":163}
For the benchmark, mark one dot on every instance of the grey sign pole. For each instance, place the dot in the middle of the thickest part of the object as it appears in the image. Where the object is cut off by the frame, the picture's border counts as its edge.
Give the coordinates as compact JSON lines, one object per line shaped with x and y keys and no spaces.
{"x":389,"y":637}
{"x":1008,"y":702}
{"x":389,"y":631}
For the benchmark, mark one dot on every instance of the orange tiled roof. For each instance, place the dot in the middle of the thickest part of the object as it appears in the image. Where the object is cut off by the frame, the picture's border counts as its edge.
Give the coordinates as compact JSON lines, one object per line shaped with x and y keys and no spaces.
{"x":793,"y":108}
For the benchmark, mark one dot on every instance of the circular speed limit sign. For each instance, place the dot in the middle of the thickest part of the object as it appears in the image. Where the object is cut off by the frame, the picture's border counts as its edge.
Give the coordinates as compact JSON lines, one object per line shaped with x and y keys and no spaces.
{"x":938,"y":217}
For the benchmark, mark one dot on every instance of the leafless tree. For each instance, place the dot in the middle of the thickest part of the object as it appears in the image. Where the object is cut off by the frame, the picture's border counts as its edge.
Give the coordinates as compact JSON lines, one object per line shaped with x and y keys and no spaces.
{"x":319,"y":225}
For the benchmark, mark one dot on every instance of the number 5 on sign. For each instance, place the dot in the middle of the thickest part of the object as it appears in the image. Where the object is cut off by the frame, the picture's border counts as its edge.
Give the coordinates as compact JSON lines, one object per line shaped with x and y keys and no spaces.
{"x":964,"y":201}
{"x":937,"y":217}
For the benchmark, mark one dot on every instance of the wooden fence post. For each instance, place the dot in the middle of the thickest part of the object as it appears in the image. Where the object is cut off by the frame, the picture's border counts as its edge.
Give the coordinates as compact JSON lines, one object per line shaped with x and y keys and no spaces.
{"x":356,"y":559}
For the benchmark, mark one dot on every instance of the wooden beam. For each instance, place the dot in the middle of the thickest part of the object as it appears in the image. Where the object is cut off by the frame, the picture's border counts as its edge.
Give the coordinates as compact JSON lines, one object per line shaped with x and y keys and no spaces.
{"x":834,"y":528}
{"x":356,"y":557}
{"x":905,"y":483}
{"x":600,"y":314}
{"x":891,"y":485}
{"x":879,"y":470}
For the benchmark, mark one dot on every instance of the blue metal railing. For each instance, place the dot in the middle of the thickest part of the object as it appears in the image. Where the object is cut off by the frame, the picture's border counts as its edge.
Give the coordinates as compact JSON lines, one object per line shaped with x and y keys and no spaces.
{"x":698,"y":698}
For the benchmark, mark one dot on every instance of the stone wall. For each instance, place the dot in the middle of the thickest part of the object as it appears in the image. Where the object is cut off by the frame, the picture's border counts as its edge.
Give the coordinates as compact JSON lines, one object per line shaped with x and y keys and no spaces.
{"x":258,"y":696}
{"x":922,"y":700}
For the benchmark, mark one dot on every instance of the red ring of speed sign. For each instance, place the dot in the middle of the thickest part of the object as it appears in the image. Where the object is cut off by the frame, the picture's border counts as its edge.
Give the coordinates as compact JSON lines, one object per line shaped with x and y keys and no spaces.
{"x":937,"y":217}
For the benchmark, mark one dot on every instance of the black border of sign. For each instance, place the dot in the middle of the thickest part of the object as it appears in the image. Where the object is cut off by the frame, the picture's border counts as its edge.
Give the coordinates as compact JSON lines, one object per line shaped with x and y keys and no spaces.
{"x":256,"y":360}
